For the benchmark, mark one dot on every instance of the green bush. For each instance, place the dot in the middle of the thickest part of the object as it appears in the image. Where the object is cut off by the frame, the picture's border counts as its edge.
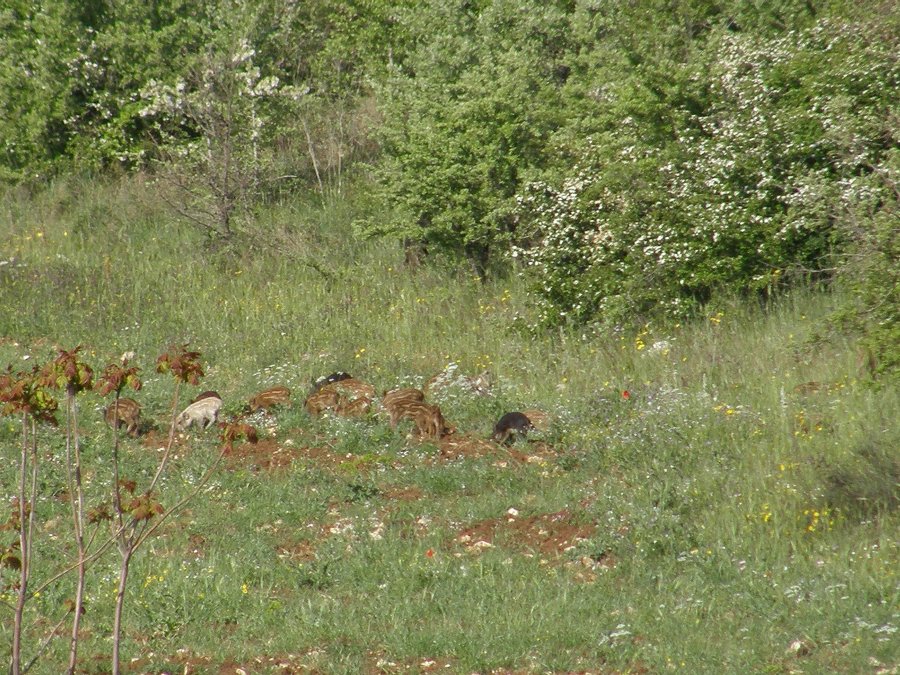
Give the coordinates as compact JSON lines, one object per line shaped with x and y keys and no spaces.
{"x":466,"y":120}
{"x":732,"y":176}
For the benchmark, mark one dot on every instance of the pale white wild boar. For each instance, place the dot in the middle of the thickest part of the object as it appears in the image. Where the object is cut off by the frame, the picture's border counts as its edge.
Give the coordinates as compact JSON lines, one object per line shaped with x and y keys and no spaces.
{"x":204,"y":413}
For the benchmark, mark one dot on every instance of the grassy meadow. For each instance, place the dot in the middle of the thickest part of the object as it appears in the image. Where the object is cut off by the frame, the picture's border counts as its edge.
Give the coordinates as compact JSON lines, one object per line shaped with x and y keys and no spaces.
{"x":690,"y":508}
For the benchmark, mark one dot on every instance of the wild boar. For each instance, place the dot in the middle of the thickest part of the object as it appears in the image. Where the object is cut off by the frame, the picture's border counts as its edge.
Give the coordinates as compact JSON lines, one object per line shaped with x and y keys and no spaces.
{"x":336,"y":376}
{"x":235,"y":430}
{"x":125,"y":411}
{"x":511,"y":425}
{"x":427,"y":419}
{"x":347,"y":396}
{"x":394,"y":401}
{"x":204,"y":413}
{"x":270,"y":398}
{"x":321,"y":400}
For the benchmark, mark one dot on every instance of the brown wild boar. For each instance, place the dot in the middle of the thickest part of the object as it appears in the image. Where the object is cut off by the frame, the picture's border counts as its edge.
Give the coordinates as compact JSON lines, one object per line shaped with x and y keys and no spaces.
{"x":270,"y":398}
{"x":347,"y":397}
{"x":511,"y":425}
{"x":430,"y":423}
{"x":355,"y":407}
{"x":234,"y":430}
{"x":128,"y":413}
{"x":353,"y":389}
{"x":204,"y":413}
{"x":393,"y":402}
{"x":867,"y":363}
{"x":321,"y":400}
{"x":403,"y":394}
{"x":427,"y":419}
{"x":807,"y":388}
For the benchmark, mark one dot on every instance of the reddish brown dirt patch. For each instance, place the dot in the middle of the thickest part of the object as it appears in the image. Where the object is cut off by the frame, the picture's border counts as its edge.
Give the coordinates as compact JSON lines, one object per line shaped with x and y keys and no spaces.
{"x":194,"y":664}
{"x":344,"y":462}
{"x":266,"y":455}
{"x":546,"y":534}
{"x":154,"y":439}
{"x":534,"y":452}
{"x":380,"y":664}
{"x":402,"y":494}
{"x":297,"y":551}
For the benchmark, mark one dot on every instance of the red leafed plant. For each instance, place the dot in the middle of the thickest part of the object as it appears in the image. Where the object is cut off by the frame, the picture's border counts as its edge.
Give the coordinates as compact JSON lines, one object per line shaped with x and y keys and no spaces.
{"x":23,"y":395}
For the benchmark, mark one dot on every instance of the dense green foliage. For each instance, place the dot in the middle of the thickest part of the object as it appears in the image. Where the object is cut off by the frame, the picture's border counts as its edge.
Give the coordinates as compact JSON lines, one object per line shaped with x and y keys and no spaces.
{"x":467,"y":120}
{"x":629,"y":159}
{"x":738,"y":168}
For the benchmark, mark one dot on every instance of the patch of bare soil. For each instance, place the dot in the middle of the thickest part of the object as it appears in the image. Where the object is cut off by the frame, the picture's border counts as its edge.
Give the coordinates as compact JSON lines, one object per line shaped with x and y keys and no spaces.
{"x":547,"y":534}
{"x":401,"y":493}
{"x":296,"y":551}
{"x":154,"y":439}
{"x":269,"y":455}
{"x":265,"y":455}
{"x":377,"y":663}
{"x":183,"y":661}
{"x":380,"y":664}
{"x":592,"y":671}
{"x":533,"y":452}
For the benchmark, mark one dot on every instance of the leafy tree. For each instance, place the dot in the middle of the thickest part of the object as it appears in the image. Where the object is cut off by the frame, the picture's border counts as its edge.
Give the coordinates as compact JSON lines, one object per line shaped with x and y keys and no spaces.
{"x":70,"y":74}
{"x":37,"y":44}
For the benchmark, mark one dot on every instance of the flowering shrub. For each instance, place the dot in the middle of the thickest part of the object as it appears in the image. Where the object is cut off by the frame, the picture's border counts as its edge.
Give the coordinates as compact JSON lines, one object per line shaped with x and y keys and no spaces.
{"x":744,"y":182}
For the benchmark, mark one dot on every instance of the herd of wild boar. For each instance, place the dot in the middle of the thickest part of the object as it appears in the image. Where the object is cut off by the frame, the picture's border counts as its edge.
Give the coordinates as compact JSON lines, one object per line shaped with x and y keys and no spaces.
{"x":344,"y":395}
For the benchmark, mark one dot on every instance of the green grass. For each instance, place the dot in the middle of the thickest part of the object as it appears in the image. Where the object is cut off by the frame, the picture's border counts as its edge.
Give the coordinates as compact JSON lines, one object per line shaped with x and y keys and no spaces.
{"x":726,"y":515}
